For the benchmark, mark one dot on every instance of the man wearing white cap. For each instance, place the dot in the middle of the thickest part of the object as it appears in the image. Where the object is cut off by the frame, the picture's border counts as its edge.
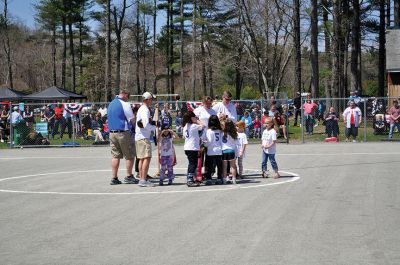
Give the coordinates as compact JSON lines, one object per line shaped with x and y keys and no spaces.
{"x":144,"y":126}
{"x":15,"y":115}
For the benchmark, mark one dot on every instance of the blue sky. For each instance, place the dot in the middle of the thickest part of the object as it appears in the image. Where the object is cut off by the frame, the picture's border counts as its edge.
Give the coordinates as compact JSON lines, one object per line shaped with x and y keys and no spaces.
{"x":23,"y":11}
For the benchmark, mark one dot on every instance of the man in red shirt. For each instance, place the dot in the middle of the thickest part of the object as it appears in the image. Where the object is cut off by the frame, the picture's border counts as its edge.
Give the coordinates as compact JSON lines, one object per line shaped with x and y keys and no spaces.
{"x":394,"y":113}
{"x":58,"y":118}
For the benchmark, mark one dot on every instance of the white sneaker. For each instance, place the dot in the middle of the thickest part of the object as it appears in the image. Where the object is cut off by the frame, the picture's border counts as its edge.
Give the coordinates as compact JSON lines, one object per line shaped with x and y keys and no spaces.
{"x":227,"y":180}
{"x":354,"y":141}
{"x":145,"y":183}
{"x":234,"y":181}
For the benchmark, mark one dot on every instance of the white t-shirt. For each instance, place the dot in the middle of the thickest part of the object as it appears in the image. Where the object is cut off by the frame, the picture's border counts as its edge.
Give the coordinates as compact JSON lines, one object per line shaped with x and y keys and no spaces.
{"x":192,"y":138}
{"x":242,"y":140}
{"x":268,"y":137}
{"x":213,"y":142}
{"x":229,"y":110}
{"x":143,"y":114}
{"x":167,"y":148}
{"x":228,"y":143}
{"x":204,"y":114}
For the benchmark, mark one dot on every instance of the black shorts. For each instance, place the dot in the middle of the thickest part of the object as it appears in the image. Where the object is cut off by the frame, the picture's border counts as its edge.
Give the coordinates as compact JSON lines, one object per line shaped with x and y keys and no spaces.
{"x":228,"y":156}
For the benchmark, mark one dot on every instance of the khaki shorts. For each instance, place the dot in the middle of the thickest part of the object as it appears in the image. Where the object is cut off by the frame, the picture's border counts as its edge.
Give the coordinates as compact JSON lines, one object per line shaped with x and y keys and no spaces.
{"x":122,"y":145}
{"x":143,"y":148}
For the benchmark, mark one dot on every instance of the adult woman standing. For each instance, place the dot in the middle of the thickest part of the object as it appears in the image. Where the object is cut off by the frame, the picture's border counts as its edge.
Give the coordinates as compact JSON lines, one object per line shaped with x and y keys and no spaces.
{"x":204,"y":112}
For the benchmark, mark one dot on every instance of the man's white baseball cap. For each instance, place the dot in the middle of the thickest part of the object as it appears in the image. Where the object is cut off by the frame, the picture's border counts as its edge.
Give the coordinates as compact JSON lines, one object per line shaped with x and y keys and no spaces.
{"x":148,"y":95}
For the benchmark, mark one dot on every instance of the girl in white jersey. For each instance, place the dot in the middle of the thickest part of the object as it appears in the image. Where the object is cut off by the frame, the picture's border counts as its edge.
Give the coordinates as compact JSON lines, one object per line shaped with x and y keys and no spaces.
{"x":229,"y":146}
{"x":191,"y":128}
{"x":213,"y":142}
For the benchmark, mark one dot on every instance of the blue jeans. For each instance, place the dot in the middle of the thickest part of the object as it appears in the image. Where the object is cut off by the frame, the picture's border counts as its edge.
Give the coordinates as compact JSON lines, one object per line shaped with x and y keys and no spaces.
{"x":271,"y":158}
{"x":397,"y":125}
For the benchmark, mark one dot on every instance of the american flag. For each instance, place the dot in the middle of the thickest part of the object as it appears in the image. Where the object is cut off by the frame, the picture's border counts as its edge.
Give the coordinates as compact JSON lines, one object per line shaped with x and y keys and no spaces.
{"x":73,"y":108}
{"x":191,"y":105}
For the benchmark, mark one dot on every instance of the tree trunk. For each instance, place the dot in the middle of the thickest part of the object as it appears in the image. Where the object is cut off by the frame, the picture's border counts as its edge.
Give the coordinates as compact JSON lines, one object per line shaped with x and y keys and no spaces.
{"x":388,"y":4}
{"x":336,"y":51}
{"x":137,"y":41}
{"x":117,"y":51}
{"x":168,"y":74}
{"x":80,"y":48}
{"x":64,"y":55}
{"x":194,"y":50}
{"x":7,"y":47}
{"x":144,"y":53}
{"x":327,"y":39}
{"x":154,"y":48}
{"x":171,"y":43}
{"x":355,"y":47}
{"x":107,"y":83}
{"x":382,"y":53}
{"x":314,"y":50}
{"x":54,"y":54}
{"x":72,"y":54}
{"x":203,"y":61}
{"x":181,"y":54}
{"x":296,"y":23}
{"x":396,"y":13}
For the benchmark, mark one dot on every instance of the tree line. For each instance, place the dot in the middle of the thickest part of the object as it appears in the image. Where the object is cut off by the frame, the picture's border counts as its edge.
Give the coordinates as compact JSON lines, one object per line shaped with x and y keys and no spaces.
{"x":201,"y":47}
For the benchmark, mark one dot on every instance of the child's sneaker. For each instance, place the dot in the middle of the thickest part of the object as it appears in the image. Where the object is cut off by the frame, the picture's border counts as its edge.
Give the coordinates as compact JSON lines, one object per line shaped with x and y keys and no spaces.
{"x":161,"y":183}
{"x":234,"y":181}
{"x":219,"y":182}
{"x":265,"y":174}
{"x":227,"y":180}
{"x":170,"y":182}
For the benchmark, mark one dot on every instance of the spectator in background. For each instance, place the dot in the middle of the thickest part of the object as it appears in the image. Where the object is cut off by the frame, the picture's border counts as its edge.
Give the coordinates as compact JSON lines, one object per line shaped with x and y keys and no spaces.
{"x":309,"y":114}
{"x":166,"y":117}
{"x":28,"y":116}
{"x":67,"y":123}
{"x":103,"y":112}
{"x":352,"y":119}
{"x":225,"y":109}
{"x":248,"y":122}
{"x":239,"y":110}
{"x":257,"y":127}
{"x":178,"y":123}
{"x":58,"y":119}
{"x":4,"y":114}
{"x":331,"y":123}
{"x":97,"y":127}
{"x":355,"y":97}
{"x":48,"y":116}
{"x":255,"y":112}
{"x":394,"y":119}
{"x":15,"y":116}
{"x":320,"y":111}
{"x":264,"y":117}
{"x":297,"y":107}
{"x":279,"y":121}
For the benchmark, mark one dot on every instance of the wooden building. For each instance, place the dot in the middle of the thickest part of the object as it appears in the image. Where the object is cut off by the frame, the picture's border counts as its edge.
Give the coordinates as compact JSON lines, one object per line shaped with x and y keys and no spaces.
{"x":393,"y":62}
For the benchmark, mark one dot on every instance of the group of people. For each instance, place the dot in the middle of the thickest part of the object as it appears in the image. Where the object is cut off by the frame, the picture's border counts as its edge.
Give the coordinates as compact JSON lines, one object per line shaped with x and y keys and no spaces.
{"x":11,"y":118}
{"x":212,"y":129}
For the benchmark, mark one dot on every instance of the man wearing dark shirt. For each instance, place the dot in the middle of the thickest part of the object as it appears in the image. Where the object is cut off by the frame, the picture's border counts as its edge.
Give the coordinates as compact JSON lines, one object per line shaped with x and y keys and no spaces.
{"x":297,"y":107}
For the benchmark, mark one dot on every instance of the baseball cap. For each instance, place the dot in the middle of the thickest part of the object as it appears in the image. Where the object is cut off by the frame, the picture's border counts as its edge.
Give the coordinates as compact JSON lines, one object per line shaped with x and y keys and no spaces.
{"x":148,"y":95}
{"x":15,"y":108}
